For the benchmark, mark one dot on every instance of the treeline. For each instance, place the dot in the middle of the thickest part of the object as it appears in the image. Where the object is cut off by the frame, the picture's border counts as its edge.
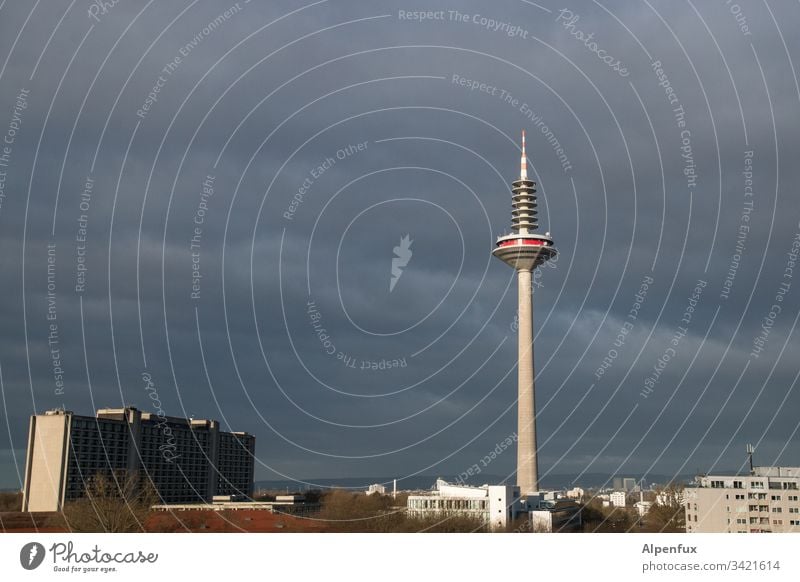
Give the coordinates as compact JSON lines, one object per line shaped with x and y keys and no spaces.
{"x":11,"y":501}
{"x":343,"y":511}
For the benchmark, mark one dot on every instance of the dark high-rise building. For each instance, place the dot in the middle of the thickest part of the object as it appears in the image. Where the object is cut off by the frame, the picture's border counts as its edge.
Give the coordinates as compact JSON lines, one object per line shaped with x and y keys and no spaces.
{"x":187,"y":460}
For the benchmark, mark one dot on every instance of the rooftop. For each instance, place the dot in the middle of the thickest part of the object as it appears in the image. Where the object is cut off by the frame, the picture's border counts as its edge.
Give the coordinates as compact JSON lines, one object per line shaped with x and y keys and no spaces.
{"x":120,"y":414}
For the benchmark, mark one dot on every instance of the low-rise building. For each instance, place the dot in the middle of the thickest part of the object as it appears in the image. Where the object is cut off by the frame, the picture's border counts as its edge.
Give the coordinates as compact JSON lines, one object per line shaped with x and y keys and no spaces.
{"x":767,"y":500}
{"x":559,"y":516}
{"x":576,"y":493}
{"x":498,"y":506}
{"x":670,"y":497}
{"x":283,"y":504}
{"x":376,"y":488}
{"x":642,"y":507}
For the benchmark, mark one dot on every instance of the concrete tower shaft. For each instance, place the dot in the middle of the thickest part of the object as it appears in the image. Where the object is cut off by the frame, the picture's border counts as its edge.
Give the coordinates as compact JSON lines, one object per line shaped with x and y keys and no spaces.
{"x":527,"y":451}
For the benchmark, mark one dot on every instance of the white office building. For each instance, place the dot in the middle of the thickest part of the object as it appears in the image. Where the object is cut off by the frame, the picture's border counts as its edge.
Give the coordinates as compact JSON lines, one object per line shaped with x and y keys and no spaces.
{"x":378,"y":488}
{"x":642,"y":507}
{"x":497,"y":505}
{"x":576,"y":493}
{"x":558,"y":516}
{"x":670,"y":497}
{"x":767,"y":500}
{"x":618,"y":499}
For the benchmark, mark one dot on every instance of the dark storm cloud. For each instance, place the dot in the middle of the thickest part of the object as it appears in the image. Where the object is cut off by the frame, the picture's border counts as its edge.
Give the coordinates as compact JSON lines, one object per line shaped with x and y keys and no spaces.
{"x":285,"y":109}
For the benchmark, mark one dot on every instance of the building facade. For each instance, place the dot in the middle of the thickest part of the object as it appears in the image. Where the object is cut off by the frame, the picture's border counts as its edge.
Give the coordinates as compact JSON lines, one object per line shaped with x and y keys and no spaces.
{"x":628,"y":484}
{"x":576,"y":493}
{"x":378,"y":488}
{"x":670,"y":497}
{"x":642,"y":507}
{"x":496,"y":505}
{"x":767,"y":500}
{"x":187,"y":460}
{"x":618,"y":499}
{"x":560,"y":516}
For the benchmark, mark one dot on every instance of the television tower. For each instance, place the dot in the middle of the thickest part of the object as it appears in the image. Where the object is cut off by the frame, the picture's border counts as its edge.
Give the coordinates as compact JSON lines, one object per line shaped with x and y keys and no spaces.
{"x":524,"y":251}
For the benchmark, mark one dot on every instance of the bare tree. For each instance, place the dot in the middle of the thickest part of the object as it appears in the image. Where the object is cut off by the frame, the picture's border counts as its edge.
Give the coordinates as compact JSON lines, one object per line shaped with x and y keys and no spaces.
{"x":597,"y":518}
{"x":345,"y":511}
{"x":667,"y":514}
{"x":11,"y":501}
{"x":112,"y":503}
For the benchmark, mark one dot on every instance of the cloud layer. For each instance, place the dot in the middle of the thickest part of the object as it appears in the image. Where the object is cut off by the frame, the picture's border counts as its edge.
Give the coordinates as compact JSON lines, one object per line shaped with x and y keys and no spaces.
{"x":223,"y":188}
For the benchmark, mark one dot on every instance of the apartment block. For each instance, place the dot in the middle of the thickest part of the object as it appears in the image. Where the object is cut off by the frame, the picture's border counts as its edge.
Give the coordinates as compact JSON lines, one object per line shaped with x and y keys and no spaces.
{"x":767,"y":500}
{"x":187,"y":460}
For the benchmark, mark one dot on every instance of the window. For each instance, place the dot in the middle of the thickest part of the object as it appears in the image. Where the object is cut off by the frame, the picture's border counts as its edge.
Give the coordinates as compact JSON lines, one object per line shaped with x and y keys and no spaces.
{"x":777,"y":521}
{"x":740,"y":496}
{"x":776,"y":497}
{"x":794,"y":510}
{"x":777,"y":510}
{"x":756,"y":484}
{"x":717,"y":484}
{"x":737,"y":485}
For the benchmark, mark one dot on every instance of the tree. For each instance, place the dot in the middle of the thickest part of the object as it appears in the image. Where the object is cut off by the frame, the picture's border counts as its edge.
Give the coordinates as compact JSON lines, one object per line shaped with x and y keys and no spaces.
{"x":114,"y":503}
{"x":11,"y":501}
{"x":524,"y":524}
{"x":444,"y":522}
{"x":312,"y":495}
{"x":667,"y":513}
{"x":596,"y":518}
{"x":345,"y":511}
{"x":356,"y":512}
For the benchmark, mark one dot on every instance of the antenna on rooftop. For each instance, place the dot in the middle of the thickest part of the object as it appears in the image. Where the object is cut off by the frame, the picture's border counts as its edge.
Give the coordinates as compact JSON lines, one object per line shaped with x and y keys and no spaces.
{"x":750,"y":451}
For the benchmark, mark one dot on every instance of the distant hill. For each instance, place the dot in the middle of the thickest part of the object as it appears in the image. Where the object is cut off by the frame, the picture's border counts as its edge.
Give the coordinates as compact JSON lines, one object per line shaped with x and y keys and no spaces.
{"x":424,"y":482}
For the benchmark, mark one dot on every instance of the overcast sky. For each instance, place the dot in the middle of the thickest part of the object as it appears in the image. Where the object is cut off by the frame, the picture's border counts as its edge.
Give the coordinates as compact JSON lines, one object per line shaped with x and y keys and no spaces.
{"x":220,"y":188}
